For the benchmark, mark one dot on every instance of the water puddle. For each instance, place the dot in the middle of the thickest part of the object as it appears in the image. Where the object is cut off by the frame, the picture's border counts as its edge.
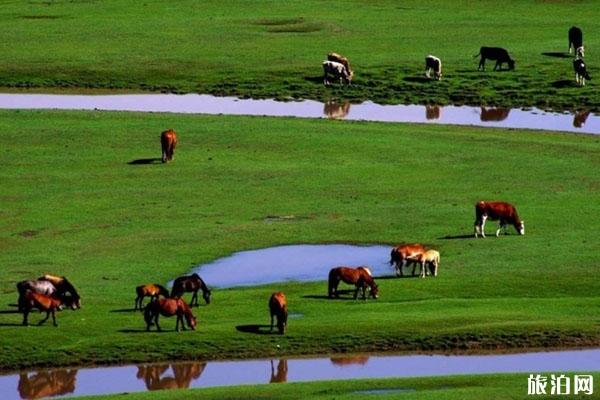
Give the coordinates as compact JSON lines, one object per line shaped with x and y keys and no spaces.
{"x":144,"y":377}
{"x":308,"y":262}
{"x":581,"y":122}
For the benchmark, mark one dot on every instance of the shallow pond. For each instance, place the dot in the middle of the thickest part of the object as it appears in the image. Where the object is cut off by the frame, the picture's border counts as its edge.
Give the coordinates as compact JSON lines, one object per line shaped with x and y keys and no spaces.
{"x":306,"y":262}
{"x":581,"y":122}
{"x":143,"y":377}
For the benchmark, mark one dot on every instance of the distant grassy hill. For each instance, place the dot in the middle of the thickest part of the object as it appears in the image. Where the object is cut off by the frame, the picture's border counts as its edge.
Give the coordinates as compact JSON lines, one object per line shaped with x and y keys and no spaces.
{"x":274,"y":48}
{"x":72,"y":205}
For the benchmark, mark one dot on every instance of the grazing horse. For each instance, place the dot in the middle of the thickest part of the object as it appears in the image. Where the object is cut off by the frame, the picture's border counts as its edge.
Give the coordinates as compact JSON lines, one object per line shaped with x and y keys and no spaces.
{"x":64,"y":286}
{"x":404,"y":254}
{"x":167,"y":307}
{"x":429,"y":260}
{"x":153,"y":290}
{"x":42,"y":302}
{"x":360,"y":277}
{"x":168,"y":141}
{"x":278,"y":308}
{"x":191,"y":283}
{"x":497,"y":211}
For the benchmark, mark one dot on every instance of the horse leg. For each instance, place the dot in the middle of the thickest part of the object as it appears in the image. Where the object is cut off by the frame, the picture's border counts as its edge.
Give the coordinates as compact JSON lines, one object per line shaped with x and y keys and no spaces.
{"x":156,"y":322}
{"x":45,"y":319}
{"x":194,"y":299}
{"x":422,"y":271}
{"x":54,"y":318}
{"x":271,"y":322}
{"x":25,"y":315}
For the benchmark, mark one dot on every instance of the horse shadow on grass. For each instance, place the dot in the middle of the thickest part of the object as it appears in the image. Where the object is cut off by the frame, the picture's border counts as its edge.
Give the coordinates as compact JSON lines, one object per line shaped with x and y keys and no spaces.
{"x":417,"y":79}
{"x":556,"y":54}
{"x":125,"y":310}
{"x":256,"y":329}
{"x":145,"y":161}
{"x":314,"y":79}
{"x":563,"y":83}
{"x":454,"y":237}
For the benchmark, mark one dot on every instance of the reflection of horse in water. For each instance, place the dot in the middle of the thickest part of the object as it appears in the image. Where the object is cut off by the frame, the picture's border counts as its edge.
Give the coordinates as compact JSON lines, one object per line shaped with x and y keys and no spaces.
{"x":183,"y":375}
{"x":432,"y":112}
{"x":580,"y":118}
{"x":281,"y":374}
{"x":47,"y":383}
{"x":336,"y":110}
{"x":349,"y":360}
{"x":494,"y":114}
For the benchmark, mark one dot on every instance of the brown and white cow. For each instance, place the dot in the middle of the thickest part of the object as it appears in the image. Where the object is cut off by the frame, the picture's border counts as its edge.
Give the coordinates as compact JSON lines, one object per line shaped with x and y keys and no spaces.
{"x":337,"y":71}
{"x":500,"y":211}
{"x":342,"y":60}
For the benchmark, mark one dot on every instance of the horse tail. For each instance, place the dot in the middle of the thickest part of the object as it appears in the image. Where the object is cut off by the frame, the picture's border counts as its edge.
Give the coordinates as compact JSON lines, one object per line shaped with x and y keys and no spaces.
{"x":393,"y":255}
{"x":149,"y":313}
{"x":331,"y":281}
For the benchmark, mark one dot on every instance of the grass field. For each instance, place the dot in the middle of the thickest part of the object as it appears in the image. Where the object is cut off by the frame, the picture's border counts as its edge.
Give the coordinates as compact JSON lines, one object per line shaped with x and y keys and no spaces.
{"x":500,"y":387}
{"x":274,"y":49}
{"x":72,"y":205}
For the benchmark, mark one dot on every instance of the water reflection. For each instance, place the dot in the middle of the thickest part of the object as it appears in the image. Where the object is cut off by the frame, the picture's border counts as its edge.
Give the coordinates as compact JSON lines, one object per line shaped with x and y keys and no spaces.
{"x":183,"y":374}
{"x":174,"y":375}
{"x":280,"y":374}
{"x":49,"y":383}
{"x":349,"y":360}
{"x":368,"y":111}
{"x":432,"y":112}
{"x":580,"y":118}
{"x":335,"y":110}
{"x":494,"y":114}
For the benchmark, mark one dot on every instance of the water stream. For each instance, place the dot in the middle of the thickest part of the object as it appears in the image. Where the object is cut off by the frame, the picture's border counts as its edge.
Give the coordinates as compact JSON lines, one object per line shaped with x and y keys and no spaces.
{"x":580,"y":122}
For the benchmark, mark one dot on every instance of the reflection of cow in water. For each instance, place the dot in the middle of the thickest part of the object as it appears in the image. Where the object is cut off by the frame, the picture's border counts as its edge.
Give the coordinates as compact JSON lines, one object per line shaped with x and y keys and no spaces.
{"x":432,"y":112}
{"x":280,"y":375}
{"x":580,"y":118}
{"x":349,"y":360}
{"x":336,"y":110}
{"x":47,"y":383}
{"x":494,"y":114}
{"x":183,"y":374}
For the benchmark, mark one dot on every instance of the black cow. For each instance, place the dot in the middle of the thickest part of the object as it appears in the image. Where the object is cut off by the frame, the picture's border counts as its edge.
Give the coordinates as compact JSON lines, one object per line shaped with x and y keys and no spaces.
{"x":575,"y":39}
{"x":498,"y":54}
{"x":581,"y":73}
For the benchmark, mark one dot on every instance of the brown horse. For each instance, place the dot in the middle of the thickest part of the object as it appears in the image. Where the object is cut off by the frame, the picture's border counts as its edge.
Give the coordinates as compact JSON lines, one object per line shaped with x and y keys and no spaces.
{"x":42,"y":302}
{"x":405,"y":254}
{"x":359,"y":277}
{"x":153,"y":290}
{"x":191,"y":283}
{"x":168,"y":307}
{"x":278,"y":308}
{"x":49,"y":383}
{"x":49,"y":285}
{"x":168,"y":141}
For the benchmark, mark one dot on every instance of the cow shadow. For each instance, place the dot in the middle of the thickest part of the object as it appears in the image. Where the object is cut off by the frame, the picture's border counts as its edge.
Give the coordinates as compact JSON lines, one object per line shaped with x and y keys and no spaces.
{"x":145,"y":161}
{"x":454,"y":237}
{"x":556,"y":54}
{"x":256,"y":329}
{"x":417,"y":79}
{"x":563,"y":83}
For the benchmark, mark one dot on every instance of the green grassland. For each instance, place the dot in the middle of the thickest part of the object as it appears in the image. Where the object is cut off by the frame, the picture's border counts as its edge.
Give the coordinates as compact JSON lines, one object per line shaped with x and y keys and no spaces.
{"x":266,"y":49}
{"x":500,"y":387}
{"x":71,"y":204}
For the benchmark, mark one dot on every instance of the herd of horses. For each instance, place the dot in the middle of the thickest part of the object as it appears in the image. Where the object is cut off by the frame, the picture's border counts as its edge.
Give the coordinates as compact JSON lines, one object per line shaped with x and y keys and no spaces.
{"x":51,"y":293}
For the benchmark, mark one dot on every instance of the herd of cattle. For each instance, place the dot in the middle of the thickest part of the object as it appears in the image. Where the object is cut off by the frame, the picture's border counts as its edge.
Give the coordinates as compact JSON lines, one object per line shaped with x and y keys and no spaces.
{"x":337,"y":67}
{"x":51,"y":293}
